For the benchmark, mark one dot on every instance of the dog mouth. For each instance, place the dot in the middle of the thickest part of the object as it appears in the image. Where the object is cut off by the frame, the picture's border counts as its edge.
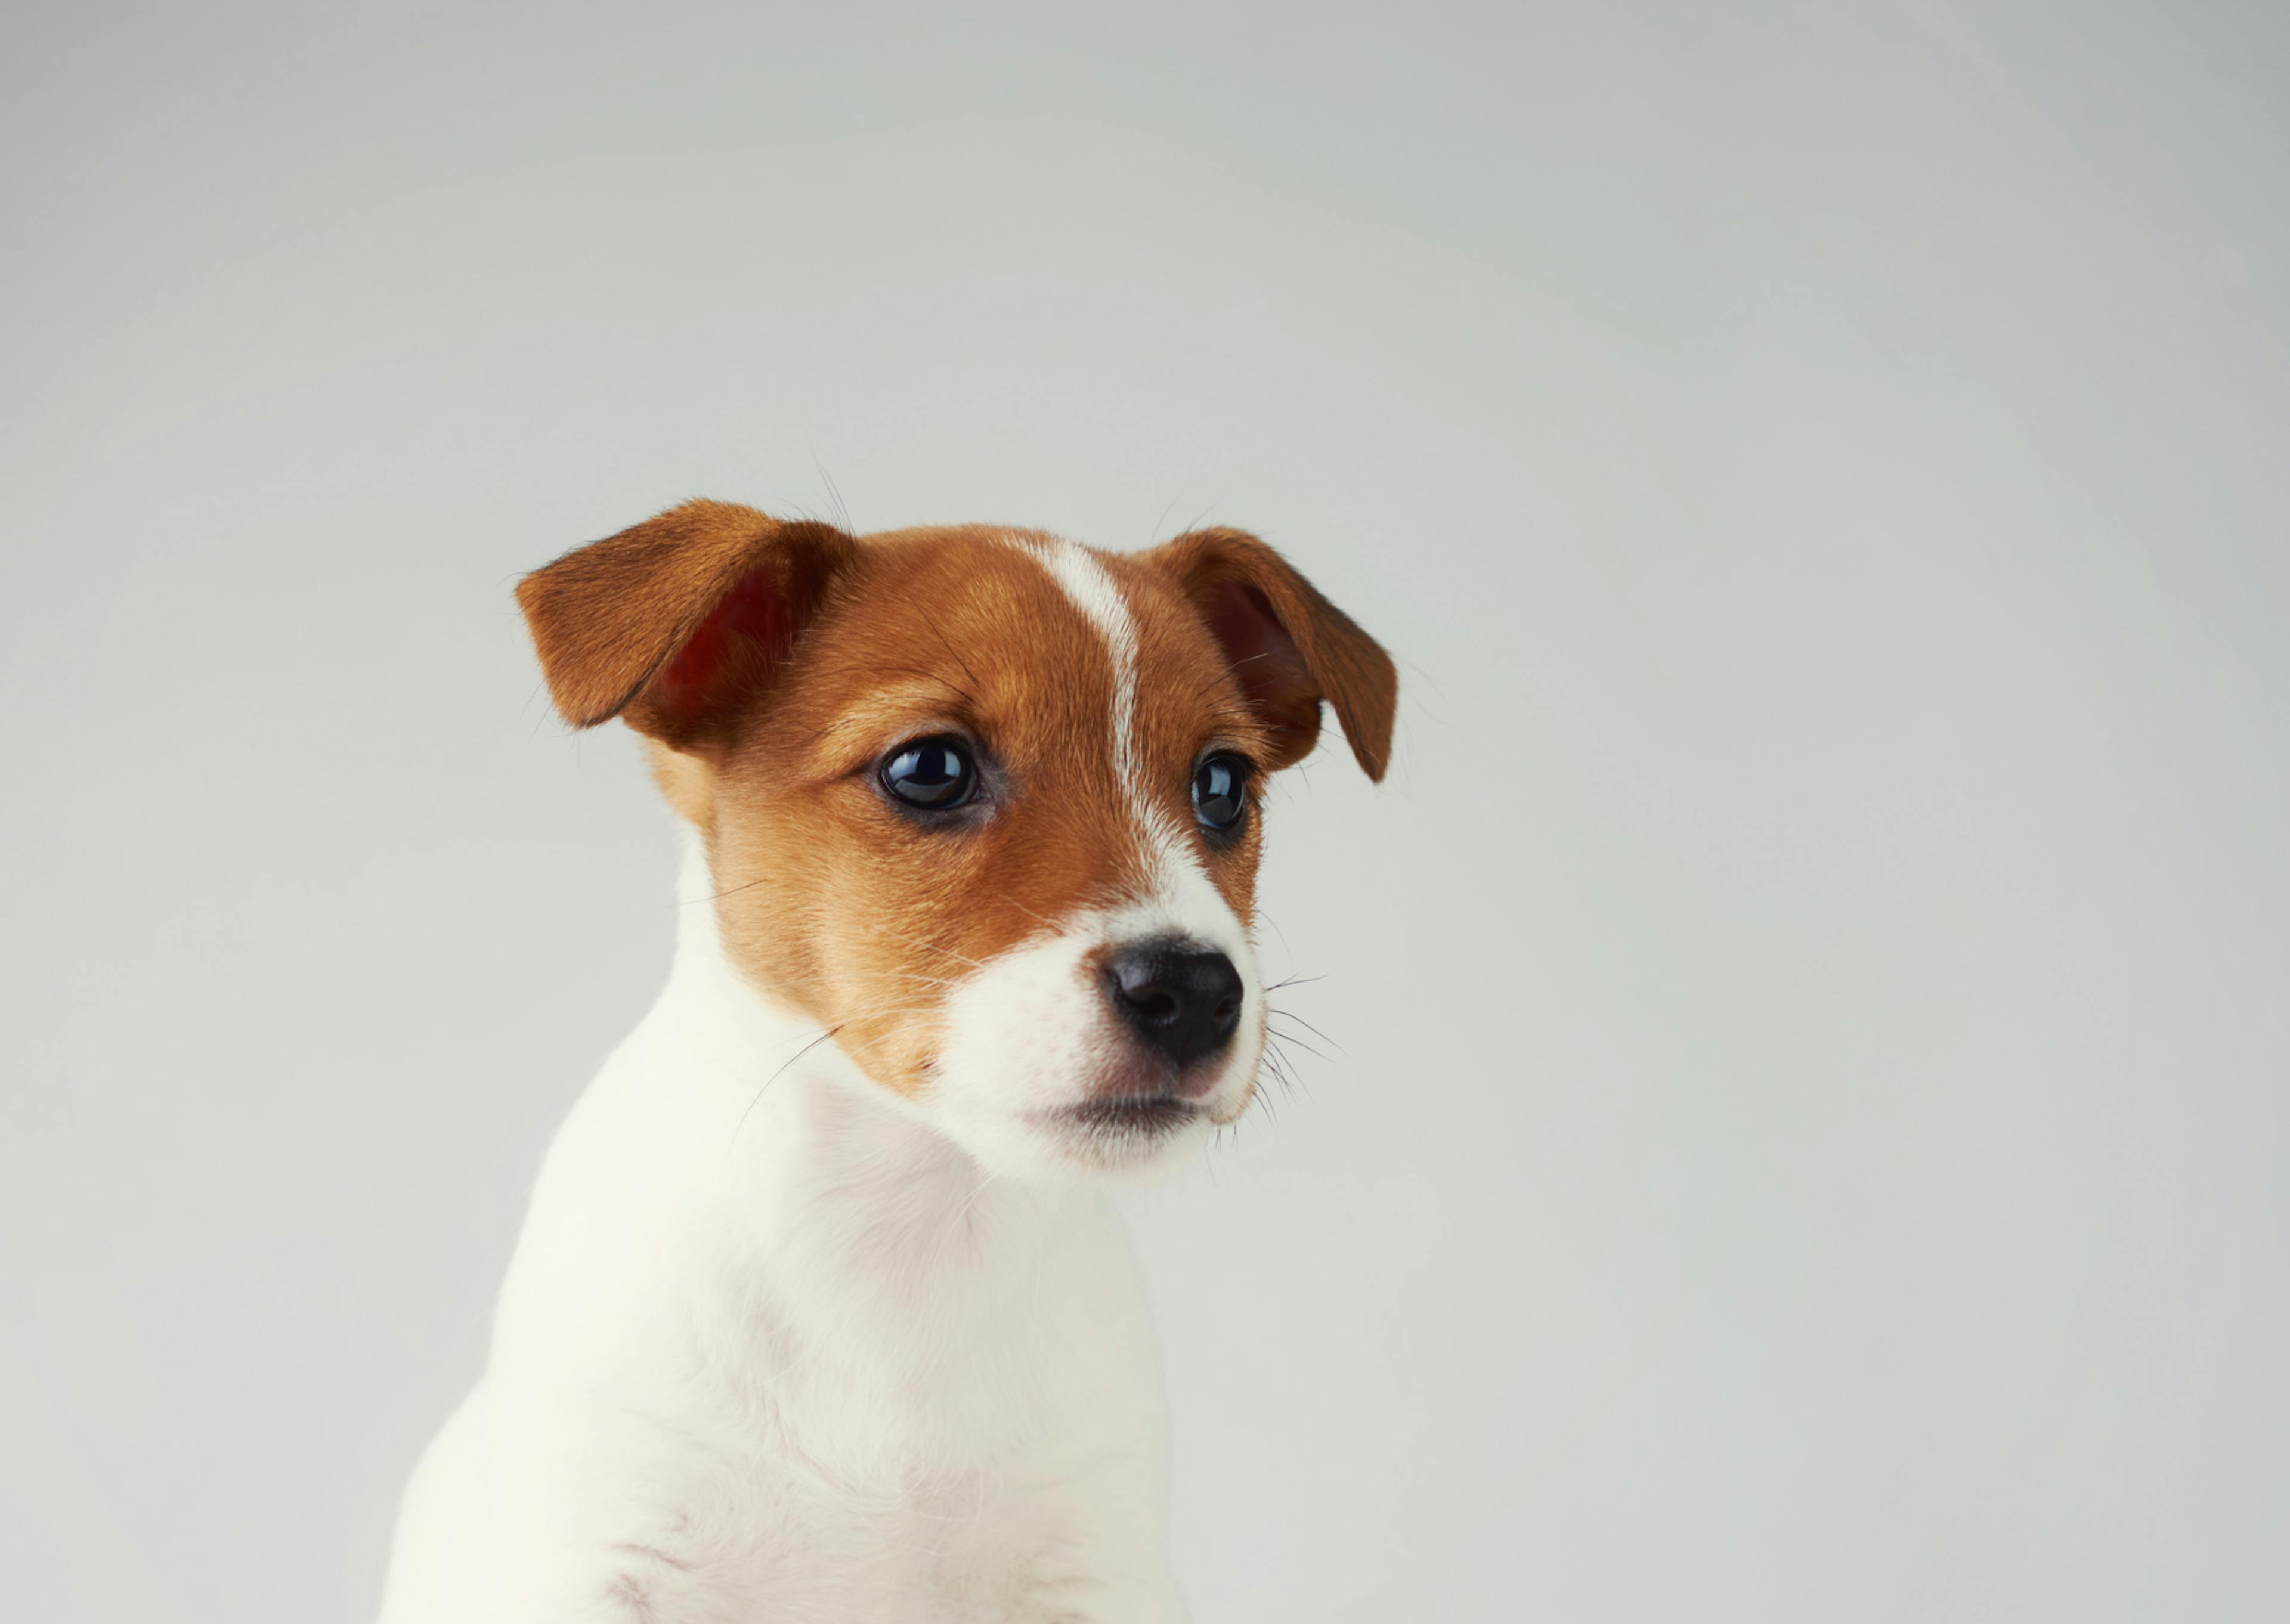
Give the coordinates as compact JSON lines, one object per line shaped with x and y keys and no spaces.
{"x":1133,"y":1115}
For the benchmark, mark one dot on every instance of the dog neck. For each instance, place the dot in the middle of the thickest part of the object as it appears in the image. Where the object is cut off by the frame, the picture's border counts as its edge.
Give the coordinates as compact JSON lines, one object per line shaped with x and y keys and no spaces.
{"x":841,"y":1218}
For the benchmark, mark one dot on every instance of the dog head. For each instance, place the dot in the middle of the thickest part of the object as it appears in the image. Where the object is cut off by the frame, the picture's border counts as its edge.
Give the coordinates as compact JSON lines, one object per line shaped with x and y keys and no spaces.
{"x":983,"y":803}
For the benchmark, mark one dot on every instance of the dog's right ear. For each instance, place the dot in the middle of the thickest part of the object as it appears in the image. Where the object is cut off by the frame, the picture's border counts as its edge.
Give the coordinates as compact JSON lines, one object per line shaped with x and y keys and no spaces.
{"x":670,"y":623}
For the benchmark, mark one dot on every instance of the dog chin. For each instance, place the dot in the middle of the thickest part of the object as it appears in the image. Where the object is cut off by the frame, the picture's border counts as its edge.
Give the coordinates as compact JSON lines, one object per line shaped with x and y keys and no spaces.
{"x":1125,"y":1140}
{"x":1099,"y":1137}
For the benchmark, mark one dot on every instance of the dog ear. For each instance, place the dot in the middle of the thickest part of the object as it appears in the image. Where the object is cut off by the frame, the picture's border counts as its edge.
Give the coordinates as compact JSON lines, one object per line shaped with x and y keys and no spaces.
{"x":1289,"y":647}
{"x":668,"y":623}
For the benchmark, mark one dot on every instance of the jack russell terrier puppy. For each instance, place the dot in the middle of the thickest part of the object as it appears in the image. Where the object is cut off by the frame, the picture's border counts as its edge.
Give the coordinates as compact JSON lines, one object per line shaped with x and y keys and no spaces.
{"x":821,"y":1312}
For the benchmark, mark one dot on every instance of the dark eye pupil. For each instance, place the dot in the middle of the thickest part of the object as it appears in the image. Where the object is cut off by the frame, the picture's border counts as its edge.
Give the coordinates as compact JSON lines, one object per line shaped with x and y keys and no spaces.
{"x":1216,"y":791}
{"x":934,"y":773}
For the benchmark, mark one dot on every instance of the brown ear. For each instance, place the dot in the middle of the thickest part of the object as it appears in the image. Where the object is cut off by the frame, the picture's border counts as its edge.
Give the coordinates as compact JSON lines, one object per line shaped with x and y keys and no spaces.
{"x":670,"y":621}
{"x":1288,"y":646}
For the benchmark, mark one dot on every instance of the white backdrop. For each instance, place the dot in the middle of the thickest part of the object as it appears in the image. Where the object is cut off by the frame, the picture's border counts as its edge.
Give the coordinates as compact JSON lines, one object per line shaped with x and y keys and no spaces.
{"x":1805,"y":1135}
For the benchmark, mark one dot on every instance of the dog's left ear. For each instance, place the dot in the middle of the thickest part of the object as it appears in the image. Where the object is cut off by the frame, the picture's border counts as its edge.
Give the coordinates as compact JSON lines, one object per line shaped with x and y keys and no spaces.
{"x":1289,"y":648}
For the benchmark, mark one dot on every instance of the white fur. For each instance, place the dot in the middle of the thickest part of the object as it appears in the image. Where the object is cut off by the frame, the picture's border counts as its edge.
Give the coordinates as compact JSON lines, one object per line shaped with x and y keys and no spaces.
{"x":775,"y":1347}
{"x":778,"y":1344}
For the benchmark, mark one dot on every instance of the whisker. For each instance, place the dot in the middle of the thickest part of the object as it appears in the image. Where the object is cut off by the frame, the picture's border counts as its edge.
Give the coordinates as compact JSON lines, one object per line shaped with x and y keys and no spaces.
{"x":733,"y":891}
{"x":1164,"y":519}
{"x":834,"y":493}
{"x":1227,"y":673}
{"x":1054,"y":926}
{"x":1290,"y":1037}
{"x":928,"y":947}
{"x":1300,"y":1021}
{"x":875,"y":1013}
{"x":953,"y":688}
{"x":1197,"y":517}
{"x":956,"y":655}
{"x":824,"y":1035}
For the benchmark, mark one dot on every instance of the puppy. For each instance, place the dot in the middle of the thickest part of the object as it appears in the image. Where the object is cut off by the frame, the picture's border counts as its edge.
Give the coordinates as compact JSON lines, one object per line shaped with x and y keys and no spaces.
{"x":821,"y":1312}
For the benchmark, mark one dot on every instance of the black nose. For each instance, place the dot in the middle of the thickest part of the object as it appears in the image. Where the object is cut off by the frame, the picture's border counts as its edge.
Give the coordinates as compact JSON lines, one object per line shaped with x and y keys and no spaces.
{"x":1181,"y":1001}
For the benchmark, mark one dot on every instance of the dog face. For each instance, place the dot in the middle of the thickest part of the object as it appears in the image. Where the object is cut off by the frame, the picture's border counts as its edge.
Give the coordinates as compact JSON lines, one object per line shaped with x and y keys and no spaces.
{"x":983,"y":803}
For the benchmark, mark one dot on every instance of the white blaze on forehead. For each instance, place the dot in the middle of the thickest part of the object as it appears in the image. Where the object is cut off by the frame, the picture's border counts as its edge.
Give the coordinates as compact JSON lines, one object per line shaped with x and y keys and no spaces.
{"x":1088,"y":583}
{"x":1182,"y":897}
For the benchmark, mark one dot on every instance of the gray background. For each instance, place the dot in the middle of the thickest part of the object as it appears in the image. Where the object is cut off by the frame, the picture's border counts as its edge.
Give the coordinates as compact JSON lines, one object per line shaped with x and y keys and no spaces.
{"x":1808,"y":1131}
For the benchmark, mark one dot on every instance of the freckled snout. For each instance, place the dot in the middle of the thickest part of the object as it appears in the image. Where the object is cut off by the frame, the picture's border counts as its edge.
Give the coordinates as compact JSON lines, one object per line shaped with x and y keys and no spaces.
{"x":1181,"y":1001}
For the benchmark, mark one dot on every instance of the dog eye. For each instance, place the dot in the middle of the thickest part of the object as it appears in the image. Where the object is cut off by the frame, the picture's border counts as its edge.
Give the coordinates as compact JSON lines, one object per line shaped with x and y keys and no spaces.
{"x":935,"y":774}
{"x":1217,"y":799}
